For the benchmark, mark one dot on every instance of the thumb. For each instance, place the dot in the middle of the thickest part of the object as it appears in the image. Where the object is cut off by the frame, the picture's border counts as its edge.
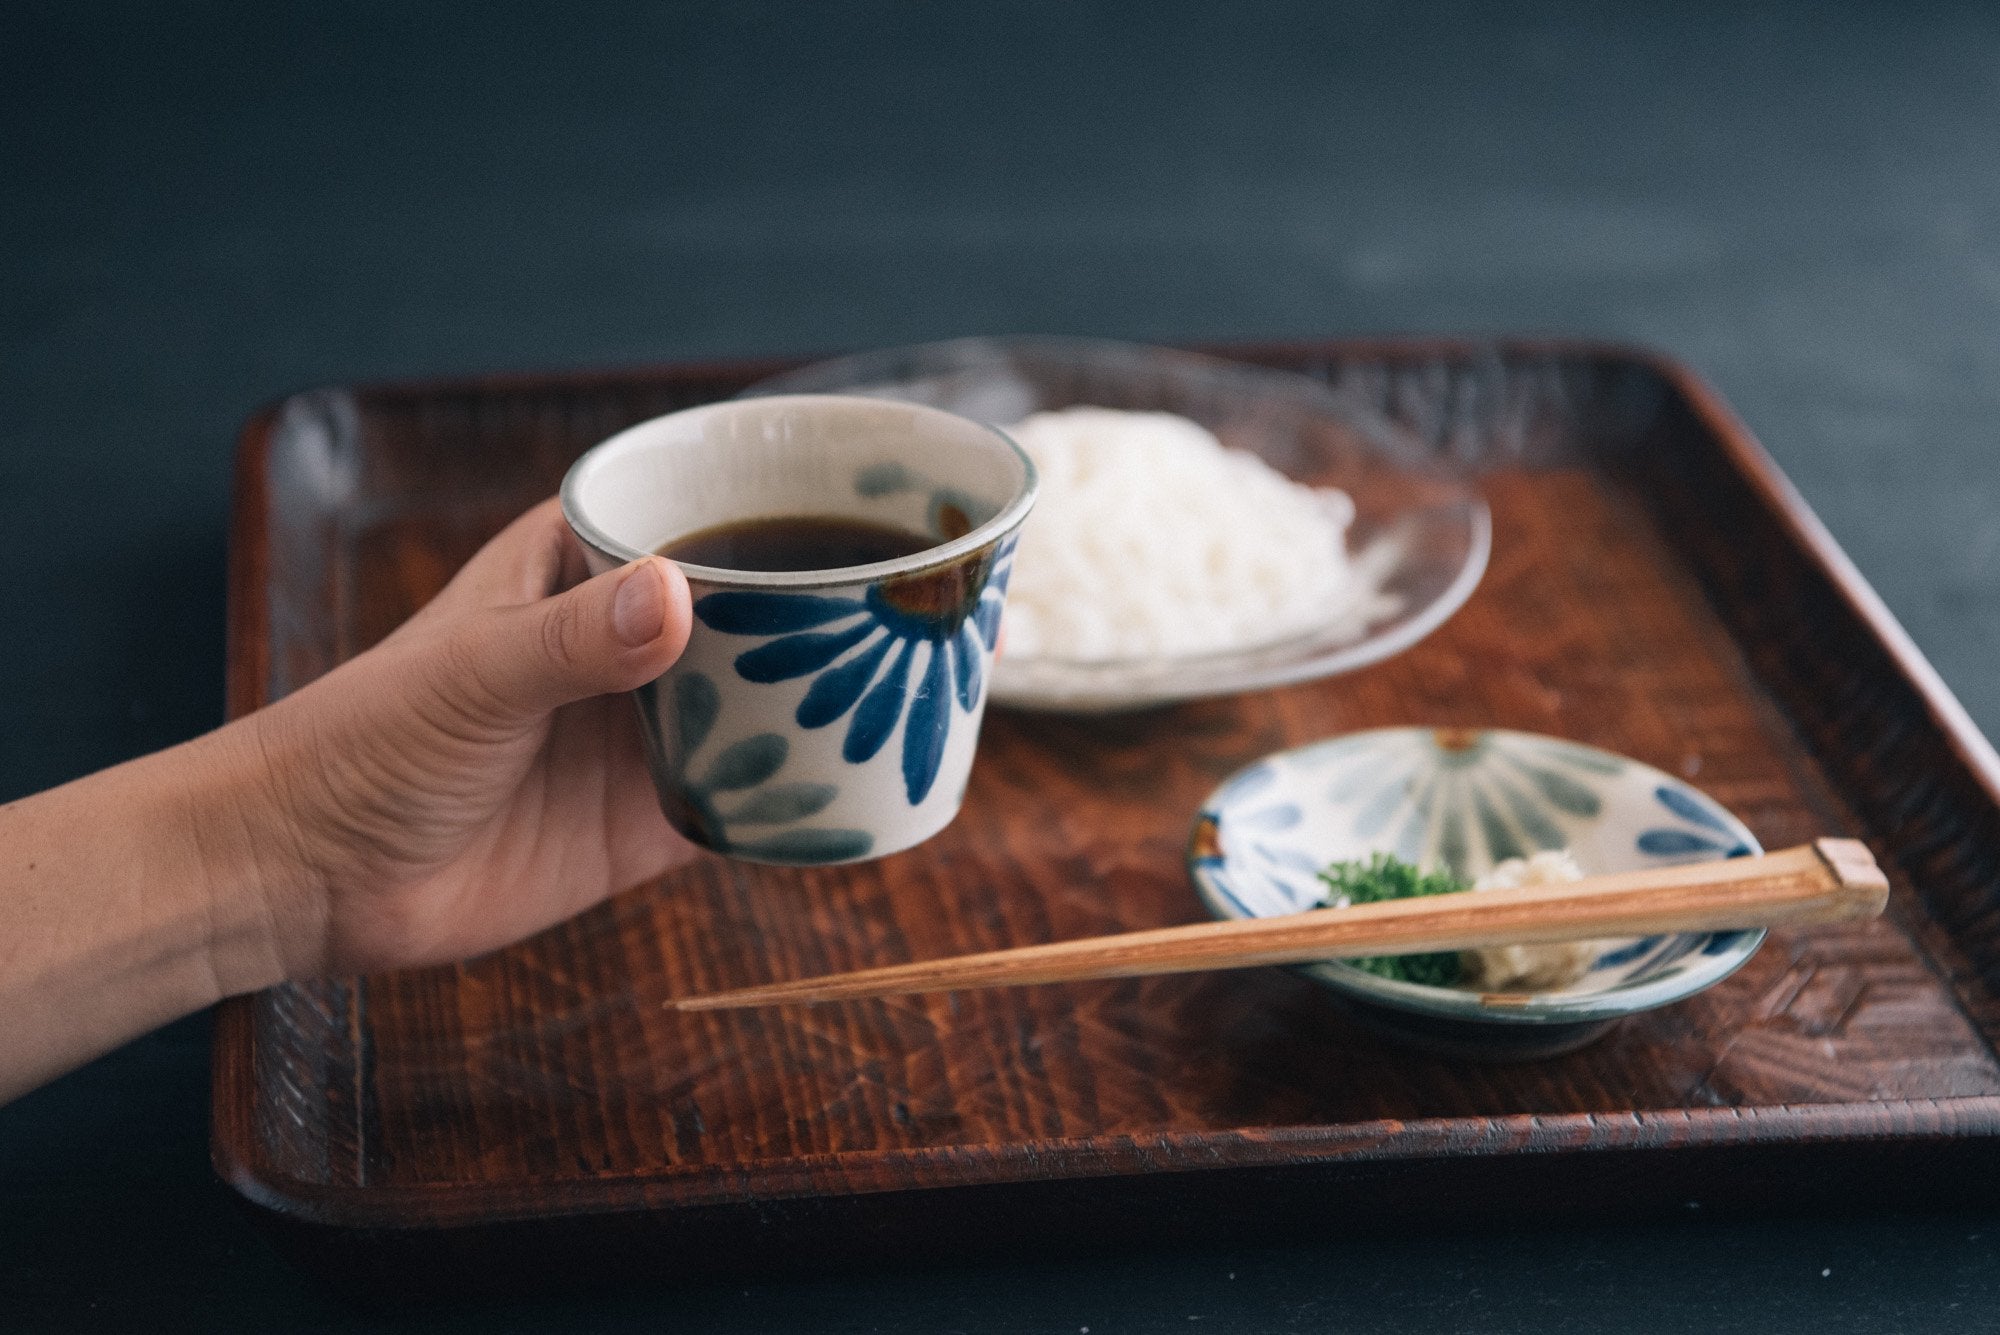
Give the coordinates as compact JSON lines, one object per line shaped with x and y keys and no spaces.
{"x":614,"y":632}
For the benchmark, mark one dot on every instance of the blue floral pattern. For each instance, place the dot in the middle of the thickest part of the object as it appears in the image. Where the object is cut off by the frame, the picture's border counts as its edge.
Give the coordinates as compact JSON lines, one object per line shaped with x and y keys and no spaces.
{"x":733,"y":790}
{"x":907,"y":650}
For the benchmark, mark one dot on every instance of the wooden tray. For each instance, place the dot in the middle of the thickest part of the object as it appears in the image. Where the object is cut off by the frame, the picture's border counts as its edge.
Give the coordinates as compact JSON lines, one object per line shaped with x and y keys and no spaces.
{"x":1656,"y":588}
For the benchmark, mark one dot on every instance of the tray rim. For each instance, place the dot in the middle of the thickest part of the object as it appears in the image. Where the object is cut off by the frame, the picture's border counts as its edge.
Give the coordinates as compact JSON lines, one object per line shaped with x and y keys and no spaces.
{"x":234,"y":1145}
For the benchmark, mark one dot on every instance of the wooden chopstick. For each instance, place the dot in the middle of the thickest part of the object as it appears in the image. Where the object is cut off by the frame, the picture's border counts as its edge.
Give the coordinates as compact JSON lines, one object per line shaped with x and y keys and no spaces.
{"x":1828,"y":880}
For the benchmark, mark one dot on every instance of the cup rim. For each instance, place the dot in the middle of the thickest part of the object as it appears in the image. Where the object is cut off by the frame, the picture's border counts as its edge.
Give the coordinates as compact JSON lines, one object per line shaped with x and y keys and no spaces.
{"x":1005,"y":520}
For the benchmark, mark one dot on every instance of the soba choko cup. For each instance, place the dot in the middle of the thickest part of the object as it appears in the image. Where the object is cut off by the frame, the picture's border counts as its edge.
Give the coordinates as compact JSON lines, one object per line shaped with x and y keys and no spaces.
{"x":817,"y":716}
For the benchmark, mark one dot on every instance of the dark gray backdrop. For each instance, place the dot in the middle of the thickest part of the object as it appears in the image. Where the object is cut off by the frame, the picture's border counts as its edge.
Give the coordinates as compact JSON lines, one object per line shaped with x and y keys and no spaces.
{"x":202,"y":207}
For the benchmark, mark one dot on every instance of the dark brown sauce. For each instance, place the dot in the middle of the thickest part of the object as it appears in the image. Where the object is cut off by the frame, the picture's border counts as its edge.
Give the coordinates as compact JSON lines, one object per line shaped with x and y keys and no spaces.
{"x":795,"y":542}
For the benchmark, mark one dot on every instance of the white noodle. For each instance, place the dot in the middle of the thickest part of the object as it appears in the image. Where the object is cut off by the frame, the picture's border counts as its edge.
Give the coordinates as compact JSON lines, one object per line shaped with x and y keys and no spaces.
{"x":1150,"y":539}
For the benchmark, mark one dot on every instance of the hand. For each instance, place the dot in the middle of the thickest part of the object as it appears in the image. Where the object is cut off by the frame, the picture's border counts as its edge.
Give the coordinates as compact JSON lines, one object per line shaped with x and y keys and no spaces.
{"x":471,"y":779}
{"x":479,"y":774}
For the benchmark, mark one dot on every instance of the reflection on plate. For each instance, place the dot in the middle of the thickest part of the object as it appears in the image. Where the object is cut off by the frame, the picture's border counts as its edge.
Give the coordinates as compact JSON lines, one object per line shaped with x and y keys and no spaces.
{"x":1420,"y":530}
{"x":1463,"y":801}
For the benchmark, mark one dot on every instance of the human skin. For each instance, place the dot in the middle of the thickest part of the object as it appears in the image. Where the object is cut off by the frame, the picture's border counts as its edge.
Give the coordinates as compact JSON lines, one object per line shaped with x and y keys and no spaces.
{"x":469,"y":781}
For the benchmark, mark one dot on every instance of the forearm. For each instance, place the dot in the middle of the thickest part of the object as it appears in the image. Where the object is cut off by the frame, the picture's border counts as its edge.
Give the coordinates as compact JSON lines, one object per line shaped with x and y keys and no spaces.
{"x":136,"y":896}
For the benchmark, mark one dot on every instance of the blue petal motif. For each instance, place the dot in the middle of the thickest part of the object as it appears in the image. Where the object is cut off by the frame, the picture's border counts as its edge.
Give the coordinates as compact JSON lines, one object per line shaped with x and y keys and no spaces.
{"x":750,"y":613}
{"x":884,"y":480}
{"x":747,"y":763}
{"x":1500,"y":841}
{"x":796,"y":655}
{"x":1534,"y":820}
{"x":783,"y":803}
{"x":928,"y":726}
{"x":987,"y":617}
{"x":1564,"y":792}
{"x":1625,"y":954}
{"x":697,"y":704}
{"x":965,"y":657}
{"x":1677,"y":843}
{"x":875,"y":717}
{"x":809,"y":846}
{"x":1678,"y":802}
{"x":836,"y":691}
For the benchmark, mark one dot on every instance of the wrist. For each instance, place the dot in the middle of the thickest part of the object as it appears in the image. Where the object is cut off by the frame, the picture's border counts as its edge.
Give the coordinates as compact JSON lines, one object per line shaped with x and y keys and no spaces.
{"x":264,"y":897}
{"x":139,"y":894}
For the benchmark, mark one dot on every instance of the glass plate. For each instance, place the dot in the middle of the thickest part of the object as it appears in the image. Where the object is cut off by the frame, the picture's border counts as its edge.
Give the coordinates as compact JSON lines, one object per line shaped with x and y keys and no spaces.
{"x":1420,"y":527}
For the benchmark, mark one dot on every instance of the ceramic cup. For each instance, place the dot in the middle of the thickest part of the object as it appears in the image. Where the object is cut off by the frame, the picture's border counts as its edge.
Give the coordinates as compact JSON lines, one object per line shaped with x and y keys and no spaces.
{"x":827,"y":715}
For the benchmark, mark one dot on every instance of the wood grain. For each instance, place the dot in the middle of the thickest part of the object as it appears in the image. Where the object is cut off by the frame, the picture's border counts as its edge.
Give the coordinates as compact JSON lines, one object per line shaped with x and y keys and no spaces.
{"x":1656,"y":589}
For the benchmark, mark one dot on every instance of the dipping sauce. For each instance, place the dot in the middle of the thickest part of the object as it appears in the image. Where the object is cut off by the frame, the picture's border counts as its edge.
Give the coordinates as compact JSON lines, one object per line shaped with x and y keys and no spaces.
{"x":795,"y":542}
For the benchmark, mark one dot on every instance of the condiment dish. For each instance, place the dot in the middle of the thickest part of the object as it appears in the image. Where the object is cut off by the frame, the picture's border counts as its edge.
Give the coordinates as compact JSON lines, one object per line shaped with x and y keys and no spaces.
{"x":1464,"y":800}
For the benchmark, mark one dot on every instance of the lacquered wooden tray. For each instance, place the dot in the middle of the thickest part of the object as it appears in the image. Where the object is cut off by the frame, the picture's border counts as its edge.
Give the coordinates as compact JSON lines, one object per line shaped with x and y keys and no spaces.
{"x":1656,"y":588}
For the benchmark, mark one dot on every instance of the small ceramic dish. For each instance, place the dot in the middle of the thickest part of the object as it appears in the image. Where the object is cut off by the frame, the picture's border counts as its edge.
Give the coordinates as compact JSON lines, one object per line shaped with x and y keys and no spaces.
{"x":1421,"y":531}
{"x":1464,"y":801}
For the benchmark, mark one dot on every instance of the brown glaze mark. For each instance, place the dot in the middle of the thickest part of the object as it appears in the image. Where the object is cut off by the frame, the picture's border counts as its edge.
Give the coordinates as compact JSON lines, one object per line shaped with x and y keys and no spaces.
{"x":941,"y":597}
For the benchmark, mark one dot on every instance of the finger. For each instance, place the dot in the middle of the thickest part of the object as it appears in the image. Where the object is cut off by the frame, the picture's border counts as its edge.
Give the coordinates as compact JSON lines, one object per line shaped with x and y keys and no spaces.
{"x":615,"y":632}
{"x":597,"y":755}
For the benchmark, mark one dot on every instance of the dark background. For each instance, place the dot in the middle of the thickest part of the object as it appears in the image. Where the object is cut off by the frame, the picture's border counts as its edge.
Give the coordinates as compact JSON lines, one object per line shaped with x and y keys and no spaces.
{"x":204,"y":207}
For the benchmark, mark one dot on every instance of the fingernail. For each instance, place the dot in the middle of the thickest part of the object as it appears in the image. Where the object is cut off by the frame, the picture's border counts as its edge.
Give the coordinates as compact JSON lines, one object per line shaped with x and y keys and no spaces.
{"x":639,"y":609}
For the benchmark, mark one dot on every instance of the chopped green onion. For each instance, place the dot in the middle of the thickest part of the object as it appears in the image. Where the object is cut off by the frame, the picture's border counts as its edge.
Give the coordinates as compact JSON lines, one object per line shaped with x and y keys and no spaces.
{"x":1382,"y":877}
